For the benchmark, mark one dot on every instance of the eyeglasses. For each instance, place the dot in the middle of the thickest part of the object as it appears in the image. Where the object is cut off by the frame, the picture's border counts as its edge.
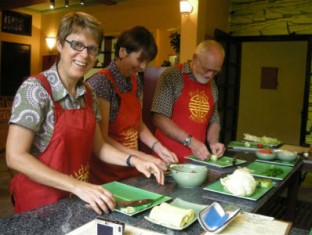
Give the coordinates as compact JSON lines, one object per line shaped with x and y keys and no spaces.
{"x":206,"y":71}
{"x":79,"y":46}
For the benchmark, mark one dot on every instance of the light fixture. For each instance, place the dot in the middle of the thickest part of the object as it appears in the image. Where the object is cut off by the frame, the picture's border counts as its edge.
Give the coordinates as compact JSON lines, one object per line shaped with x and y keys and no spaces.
{"x":51,"y":41}
{"x":52,"y":4}
{"x":185,"y":7}
{"x":66,"y":3}
{"x":82,"y":2}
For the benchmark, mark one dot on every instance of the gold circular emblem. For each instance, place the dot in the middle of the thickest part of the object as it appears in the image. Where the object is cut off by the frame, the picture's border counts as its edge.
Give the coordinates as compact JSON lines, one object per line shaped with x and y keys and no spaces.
{"x":198,"y":106}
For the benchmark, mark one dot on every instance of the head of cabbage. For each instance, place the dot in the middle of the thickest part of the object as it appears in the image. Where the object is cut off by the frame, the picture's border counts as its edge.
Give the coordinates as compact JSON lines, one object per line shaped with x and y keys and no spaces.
{"x":239,"y":183}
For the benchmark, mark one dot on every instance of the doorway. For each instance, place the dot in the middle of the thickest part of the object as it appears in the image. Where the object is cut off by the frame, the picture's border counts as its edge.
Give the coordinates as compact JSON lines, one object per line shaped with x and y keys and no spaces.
{"x":271,"y":104}
{"x":15,"y":66}
{"x":303,"y":102}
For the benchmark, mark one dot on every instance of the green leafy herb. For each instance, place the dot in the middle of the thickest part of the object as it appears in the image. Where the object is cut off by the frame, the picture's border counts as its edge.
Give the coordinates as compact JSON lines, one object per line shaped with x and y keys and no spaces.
{"x":273,"y":172}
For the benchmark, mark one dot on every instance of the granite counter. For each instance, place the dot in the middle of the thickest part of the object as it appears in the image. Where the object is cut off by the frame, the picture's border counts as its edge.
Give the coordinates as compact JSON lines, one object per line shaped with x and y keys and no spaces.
{"x":68,"y":214}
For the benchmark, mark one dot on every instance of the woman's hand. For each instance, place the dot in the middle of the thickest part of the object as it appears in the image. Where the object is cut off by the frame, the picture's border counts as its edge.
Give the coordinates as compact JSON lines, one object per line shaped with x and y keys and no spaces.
{"x":165,"y":154}
{"x":96,"y":197}
{"x":148,"y":169}
{"x":150,"y":158}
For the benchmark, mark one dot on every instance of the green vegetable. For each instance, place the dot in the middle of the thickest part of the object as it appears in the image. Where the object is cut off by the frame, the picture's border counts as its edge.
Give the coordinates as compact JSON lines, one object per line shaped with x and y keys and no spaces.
{"x":265,"y":183}
{"x":262,"y":140}
{"x":223,"y":162}
{"x":239,"y":183}
{"x":214,"y":157}
{"x":274,"y":172}
{"x":247,"y":144}
{"x":128,"y":210}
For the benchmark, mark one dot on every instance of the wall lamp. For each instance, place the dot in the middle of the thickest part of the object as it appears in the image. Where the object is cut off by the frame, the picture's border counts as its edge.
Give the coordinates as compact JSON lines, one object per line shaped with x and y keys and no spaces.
{"x":51,"y":41}
{"x":52,"y":4}
{"x":185,"y":7}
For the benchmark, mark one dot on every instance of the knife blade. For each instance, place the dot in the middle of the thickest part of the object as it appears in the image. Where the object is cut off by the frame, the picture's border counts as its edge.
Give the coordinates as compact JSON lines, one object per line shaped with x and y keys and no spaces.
{"x":134,"y":202}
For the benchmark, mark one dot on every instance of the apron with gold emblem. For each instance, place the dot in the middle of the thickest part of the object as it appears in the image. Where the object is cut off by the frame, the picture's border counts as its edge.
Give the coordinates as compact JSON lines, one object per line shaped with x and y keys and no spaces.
{"x":191,"y":112}
{"x":124,"y":129}
{"x":68,"y":152}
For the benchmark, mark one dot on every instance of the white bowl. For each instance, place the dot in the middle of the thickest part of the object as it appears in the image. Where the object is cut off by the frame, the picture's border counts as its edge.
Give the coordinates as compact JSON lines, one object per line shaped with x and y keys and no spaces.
{"x":265,"y":155}
{"x":287,"y":156}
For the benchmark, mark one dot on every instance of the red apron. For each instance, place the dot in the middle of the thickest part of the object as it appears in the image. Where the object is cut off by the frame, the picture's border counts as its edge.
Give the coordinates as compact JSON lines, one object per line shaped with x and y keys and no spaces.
{"x":192,"y":112}
{"x":69,"y":152}
{"x":124,"y":129}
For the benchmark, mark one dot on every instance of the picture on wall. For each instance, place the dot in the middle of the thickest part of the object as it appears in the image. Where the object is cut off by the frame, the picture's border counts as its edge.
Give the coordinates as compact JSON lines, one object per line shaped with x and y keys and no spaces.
{"x":16,"y":23}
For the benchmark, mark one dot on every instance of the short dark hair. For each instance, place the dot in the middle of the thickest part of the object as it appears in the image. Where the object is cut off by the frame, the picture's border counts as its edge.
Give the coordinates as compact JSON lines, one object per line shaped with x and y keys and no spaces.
{"x":78,"y":21}
{"x":137,"y":39}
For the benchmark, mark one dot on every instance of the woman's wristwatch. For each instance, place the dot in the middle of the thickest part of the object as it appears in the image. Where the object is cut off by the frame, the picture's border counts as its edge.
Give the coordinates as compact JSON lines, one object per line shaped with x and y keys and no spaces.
{"x":187,"y":140}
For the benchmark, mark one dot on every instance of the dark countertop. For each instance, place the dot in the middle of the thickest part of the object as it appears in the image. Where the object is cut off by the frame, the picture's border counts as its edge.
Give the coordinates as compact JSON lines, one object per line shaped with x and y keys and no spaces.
{"x":68,"y":214}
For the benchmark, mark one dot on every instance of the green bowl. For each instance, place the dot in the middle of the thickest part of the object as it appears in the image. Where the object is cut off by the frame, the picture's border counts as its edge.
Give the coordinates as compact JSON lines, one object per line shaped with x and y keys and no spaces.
{"x":266,"y":156}
{"x":287,"y":156}
{"x":189,"y":175}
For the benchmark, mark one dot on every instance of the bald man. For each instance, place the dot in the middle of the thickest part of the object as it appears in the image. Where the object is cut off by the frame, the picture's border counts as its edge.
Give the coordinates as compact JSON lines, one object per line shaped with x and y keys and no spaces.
{"x":185,"y":106}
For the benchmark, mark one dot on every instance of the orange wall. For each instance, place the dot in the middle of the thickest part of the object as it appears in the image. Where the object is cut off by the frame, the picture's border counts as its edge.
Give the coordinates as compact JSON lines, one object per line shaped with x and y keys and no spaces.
{"x":158,"y":17}
{"x":207,"y":15}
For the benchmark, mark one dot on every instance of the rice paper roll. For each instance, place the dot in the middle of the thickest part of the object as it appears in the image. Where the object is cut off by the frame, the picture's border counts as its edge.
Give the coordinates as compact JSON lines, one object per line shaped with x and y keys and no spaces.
{"x":171,"y":215}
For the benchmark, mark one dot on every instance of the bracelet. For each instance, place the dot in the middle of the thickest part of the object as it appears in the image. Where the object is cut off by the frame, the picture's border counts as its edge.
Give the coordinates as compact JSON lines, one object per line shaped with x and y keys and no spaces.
{"x":128,"y":160}
{"x":153,"y":145}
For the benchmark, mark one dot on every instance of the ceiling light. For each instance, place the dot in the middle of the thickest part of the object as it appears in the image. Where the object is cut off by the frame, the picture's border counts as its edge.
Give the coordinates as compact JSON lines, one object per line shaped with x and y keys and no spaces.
{"x":185,"y":7}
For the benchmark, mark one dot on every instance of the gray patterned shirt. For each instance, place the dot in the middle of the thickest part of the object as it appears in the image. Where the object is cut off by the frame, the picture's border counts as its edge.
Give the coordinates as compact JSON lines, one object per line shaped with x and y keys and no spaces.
{"x":33,"y":107}
{"x":104,"y":88}
{"x":169,"y":88}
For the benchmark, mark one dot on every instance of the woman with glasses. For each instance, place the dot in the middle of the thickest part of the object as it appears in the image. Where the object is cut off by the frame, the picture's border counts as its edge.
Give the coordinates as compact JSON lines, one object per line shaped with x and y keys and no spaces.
{"x":185,"y":104}
{"x":119,"y":91}
{"x":53,"y":129}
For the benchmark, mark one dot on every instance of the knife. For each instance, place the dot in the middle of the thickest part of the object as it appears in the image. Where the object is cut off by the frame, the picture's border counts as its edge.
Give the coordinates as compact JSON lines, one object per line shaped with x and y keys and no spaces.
{"x":234,"y":161}
{"x":134,"y":202}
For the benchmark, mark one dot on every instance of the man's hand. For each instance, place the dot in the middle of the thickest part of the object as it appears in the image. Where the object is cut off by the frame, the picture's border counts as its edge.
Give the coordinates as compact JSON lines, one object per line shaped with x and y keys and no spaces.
{"x":217,"y":149}
{"x":199,"y":149}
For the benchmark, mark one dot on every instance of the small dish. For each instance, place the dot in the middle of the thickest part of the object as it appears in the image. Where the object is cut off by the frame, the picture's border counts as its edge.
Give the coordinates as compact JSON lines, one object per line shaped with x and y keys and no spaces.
{"x":266,"y":154}
{"x":287,"y":156}
{"x":184,"y":205}
{"x":189,"y":175}
{"x":214,"y":219}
